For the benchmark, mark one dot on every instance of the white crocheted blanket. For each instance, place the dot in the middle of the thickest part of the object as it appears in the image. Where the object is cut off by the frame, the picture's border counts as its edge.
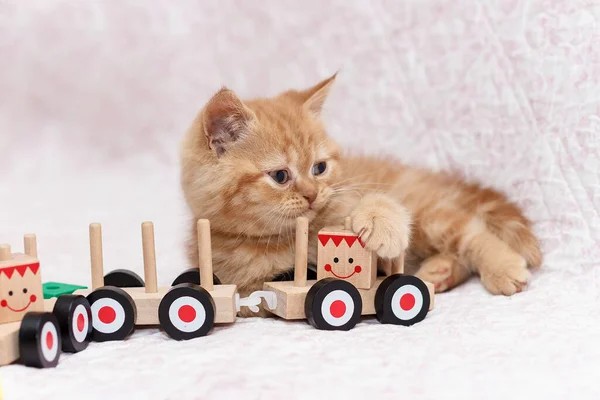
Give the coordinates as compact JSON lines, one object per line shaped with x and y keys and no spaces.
{"x":94,"y":97}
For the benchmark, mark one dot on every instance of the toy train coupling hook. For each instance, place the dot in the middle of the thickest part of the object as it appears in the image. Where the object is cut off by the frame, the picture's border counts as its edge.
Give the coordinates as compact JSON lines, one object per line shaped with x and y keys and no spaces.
{"x":255,"y":299}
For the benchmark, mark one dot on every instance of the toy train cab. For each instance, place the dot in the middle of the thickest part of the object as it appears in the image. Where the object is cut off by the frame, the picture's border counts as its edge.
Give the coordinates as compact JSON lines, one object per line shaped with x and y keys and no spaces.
{"x":346,"y":286}
{"x":34,"y":330}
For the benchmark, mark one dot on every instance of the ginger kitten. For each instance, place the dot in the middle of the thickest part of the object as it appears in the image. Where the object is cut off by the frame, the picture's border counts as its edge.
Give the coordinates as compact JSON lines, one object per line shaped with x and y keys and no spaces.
{"x":253,"y":166}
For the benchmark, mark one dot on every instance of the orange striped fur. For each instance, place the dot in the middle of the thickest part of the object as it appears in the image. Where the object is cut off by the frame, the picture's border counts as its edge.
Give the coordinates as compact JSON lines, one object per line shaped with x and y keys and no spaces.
{"x":449,"y":229}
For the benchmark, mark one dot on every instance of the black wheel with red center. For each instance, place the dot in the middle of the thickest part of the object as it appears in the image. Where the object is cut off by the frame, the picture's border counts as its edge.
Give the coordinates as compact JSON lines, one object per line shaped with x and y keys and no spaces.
{"x":113,"y":314}
{"x":402,"y":300}
{"x":74,"y":316}
{"x":39,"y":340}
{"x":186,"y":312}
{"x":333,"y":304}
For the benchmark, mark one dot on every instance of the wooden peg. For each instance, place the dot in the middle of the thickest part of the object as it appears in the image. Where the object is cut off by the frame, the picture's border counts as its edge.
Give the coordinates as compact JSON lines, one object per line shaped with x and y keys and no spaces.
{"x":96,"y":255}
{"x":205,"y":255}
{"x":30,"y":245}
{"x":149,"y":253}
{"x":398,"y":265}
{"x":386,"y":264}
{"x":301,"y":261}
{"x":348,"y":223}
{"x":5,"y":253}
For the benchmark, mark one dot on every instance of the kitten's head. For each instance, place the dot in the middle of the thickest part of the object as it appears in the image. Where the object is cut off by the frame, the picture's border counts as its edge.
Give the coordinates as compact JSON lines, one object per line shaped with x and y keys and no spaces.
{"x":256,"y":165}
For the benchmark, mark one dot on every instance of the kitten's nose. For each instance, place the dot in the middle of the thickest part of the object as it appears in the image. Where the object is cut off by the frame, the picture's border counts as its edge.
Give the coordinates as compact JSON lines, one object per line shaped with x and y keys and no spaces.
{"x":310,"y":197}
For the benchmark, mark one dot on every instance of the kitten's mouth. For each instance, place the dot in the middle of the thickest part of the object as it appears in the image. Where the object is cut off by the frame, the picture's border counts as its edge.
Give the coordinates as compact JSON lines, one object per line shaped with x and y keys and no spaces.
{"x":357,"y":270}
{"x":309,"y":213}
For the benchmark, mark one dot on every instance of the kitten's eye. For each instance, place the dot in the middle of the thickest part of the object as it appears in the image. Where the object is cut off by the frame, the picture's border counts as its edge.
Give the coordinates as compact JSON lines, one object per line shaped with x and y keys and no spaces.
{"x":350,"y":260}
{"x":25,"y":290}
{"x":10,"y":293}
{"x":335,"y":260}
{"x":319,"y":168}
{"x":281,"y":176}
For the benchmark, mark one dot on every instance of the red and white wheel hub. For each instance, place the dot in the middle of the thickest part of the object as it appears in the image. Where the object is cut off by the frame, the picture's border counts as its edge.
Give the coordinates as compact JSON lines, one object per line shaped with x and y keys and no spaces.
{"x":407,"y":302}
{"x":49,"y":341}
{"x":187,"y":314}
{"x":337,"y":308}
{"x":186,"y":311}
{"x":80,"y":323}
{"x":108,"y":315}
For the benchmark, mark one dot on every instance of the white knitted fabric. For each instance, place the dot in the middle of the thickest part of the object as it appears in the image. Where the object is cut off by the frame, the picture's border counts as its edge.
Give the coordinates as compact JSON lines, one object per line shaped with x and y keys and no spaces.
{"x":94,"y":98}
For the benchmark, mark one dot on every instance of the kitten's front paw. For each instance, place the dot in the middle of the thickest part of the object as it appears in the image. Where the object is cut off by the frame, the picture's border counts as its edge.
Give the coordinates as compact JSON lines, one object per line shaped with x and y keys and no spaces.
{"x":444,"y":271}
{"x":382,"y":224}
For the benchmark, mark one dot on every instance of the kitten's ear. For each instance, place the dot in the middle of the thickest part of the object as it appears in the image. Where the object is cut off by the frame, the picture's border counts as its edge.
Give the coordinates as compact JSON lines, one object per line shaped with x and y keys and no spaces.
{"x":226,"y":120}
{"x":313,"y":98}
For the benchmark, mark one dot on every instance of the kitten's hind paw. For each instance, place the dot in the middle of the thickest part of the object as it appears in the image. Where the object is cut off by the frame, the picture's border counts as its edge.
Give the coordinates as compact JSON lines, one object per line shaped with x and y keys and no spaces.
{"x":507,"y":279}
{"x":382,"y":224}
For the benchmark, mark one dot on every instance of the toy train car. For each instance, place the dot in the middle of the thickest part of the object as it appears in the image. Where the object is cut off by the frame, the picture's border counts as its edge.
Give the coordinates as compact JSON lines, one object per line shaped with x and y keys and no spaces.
{"x":32,"y":329}
{"x":121,"y":300}
{"x":347,"y":285}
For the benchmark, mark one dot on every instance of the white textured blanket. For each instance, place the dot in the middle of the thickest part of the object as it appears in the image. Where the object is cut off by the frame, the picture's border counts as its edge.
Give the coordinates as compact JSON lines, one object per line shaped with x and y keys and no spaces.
{"x":94,"y":97}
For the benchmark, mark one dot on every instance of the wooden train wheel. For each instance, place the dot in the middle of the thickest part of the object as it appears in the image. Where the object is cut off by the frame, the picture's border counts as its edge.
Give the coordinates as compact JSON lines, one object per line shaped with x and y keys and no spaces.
{"x":333,"y":304}
{"x":39,"y":340}
{"x":187,"y":311}
{"x":113,"y":314}
{"x":123,"y":278}
{"x":74,"y":316}
{"x":192,"y":275}
{"x":402,"y":300}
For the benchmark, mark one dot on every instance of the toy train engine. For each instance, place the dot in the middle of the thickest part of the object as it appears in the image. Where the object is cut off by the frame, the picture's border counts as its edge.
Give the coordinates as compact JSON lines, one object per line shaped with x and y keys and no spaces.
{"x":32,"y":329}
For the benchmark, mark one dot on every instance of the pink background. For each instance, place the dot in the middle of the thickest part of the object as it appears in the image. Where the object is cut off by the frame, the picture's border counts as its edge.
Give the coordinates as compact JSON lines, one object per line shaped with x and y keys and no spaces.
{"x":95,"y":96}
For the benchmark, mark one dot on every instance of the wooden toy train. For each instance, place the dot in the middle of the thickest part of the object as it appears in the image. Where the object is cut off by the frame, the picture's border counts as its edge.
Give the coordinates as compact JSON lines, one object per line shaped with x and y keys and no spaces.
{"x":32,"y":329}
{"x":346,"y":287}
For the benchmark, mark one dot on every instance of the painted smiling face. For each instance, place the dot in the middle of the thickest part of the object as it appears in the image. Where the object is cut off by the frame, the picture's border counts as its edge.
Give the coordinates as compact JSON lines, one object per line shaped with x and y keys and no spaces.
{"x":342,"y":255}
{"x":20,"y":289}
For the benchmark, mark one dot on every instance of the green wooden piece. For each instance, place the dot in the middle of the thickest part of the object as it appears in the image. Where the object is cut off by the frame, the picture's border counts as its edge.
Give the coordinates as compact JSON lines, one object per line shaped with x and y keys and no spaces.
{"x":55,"y":289}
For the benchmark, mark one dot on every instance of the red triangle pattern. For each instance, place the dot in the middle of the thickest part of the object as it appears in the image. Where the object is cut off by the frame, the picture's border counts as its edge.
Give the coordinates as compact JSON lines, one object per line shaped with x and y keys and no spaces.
{"x":350,"y":240}
{"x":34,"y":268}
{"x":323,"y":239}
{"x":337,"y":239}
{"x":21,"y":269}
{"x":8,"y":271}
